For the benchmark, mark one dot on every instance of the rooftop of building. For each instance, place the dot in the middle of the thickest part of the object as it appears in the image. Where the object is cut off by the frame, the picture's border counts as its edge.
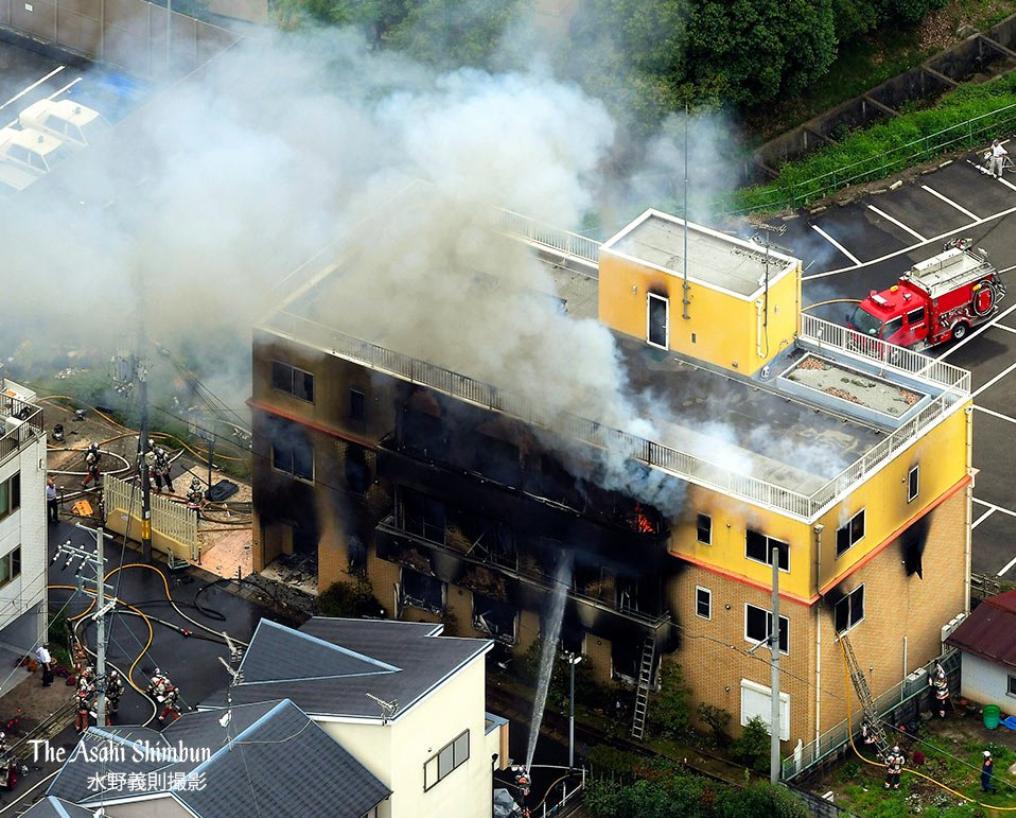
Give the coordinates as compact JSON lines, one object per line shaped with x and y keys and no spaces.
{"x":239,"y":762}
{"x":51,"y":807}
{"x":988,"y":631}
{"x":795,"y":436}
{"x":342,"y":667}
{"x":713,"y":258}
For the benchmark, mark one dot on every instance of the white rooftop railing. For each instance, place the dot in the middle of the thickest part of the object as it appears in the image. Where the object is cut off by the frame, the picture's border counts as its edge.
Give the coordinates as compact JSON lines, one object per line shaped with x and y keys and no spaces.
{"x":953,"y":382}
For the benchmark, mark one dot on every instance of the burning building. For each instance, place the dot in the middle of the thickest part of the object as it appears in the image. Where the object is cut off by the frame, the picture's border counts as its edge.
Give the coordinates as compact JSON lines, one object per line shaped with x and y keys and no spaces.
{"x":759,"y":428}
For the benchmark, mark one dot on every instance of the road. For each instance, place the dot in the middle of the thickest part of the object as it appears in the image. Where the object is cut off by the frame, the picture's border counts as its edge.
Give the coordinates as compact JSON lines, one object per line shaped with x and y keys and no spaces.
{"x":849,"y":250}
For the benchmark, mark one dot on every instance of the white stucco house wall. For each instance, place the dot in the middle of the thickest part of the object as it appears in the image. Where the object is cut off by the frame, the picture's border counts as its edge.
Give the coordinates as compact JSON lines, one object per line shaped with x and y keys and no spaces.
{"x":987,"y":640}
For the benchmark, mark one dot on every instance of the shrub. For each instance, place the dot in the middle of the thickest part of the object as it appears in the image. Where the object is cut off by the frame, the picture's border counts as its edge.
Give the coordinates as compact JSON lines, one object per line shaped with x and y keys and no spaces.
{"x":718,"y":720}
{"x":760,"y":799}
{"x":669,"y":713}
{"x":354,"y":598}
{"x":751,"y":748}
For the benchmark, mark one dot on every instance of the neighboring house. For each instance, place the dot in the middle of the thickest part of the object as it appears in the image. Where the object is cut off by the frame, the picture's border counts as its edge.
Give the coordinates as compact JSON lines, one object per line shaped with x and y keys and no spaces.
{"x":771,"y":429}
{"x":50,"y":807}
{"x":407,"y":703}
{"x":987,"y":640}
{"x":267,"y":759}
{"x":23,"y":530}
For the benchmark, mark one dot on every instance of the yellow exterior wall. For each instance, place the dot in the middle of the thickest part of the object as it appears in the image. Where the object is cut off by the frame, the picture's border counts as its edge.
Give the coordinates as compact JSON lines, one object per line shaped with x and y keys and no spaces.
{"x":397,"y":752}
{"x":727,"y":329}
{"x":943,"y":459}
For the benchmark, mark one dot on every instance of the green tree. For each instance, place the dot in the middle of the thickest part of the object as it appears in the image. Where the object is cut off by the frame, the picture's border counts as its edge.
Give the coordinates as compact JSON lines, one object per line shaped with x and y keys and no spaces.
{"x":354,"y":598}
{"x":761,"y":798}
{"x":751,"y":748}
{"x":756,"y":50}
{"x":451,"y":33}
{"x":670,"y":709}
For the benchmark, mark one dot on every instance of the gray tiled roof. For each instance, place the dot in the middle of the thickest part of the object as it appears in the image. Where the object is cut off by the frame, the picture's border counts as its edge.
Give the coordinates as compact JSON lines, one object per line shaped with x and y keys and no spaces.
{"x":72,"y":782}
{"x":408,"y":660}
{"x":50,"y":807}
{"x":270,"y":759}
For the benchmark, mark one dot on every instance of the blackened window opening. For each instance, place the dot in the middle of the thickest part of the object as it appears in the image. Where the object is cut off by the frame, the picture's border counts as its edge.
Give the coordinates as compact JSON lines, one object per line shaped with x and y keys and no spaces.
{"x":422,"y":591}
{"x":759,"y":547}
{"x":422,"y":515}
{"x":704,"y":529}
{"x":297,"y":382}
{"x":292,"y":452}
{"x":357,"y":405}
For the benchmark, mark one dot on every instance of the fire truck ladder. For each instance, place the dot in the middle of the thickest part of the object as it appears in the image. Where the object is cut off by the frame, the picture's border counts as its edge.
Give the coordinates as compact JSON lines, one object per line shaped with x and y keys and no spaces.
{"x":638,"y":727}
{"x":871,"y":717}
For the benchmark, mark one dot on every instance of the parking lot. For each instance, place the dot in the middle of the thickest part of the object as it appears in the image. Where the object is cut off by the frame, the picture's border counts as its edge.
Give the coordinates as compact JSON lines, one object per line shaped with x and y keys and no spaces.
{"x":852,"y":249}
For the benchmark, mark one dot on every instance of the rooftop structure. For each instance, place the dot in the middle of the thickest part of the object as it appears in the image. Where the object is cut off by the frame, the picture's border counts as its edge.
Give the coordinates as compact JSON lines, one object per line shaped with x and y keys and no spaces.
{"x":988,"y":631}
{"x":744,"y":435}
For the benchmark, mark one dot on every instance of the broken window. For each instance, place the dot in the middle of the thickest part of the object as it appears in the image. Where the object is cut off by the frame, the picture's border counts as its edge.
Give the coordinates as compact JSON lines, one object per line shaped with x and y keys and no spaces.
{"x":704,"y":529}
{"x":297,"y":382}
{"x":758,"y":625}
{"x":357,"y":405}
{"x":627,"y":594}
{"x":573,"y":637}
{"x":850,"y":533}
{"x":357,"y":474}
{"x":495,"y":617}
{"x":913,"y":483}
{"x":292,"y":452}
{"x":422,"y":591}
{"x":850,"y":610}
{"x":422,"y":515}
{"x":498,"y":459}
{"x":658,"y":311}
{"x":759,"y":547}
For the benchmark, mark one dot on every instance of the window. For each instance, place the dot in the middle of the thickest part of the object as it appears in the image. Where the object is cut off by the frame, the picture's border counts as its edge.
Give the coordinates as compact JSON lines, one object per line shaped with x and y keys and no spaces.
{"x":850,"y":610}
{"x":760,"y":547}
{"x":296,"y":382}
{"x":449,"y":758}
{"x":704,"y":602}
{"x":758,"y":624}
{"x":704,"y":529}
{"x":10,"y":566}
{"x":850,"y":533}
{"x":915,"y":317}
{"x":890,"y":328}
{"x":1012,"y":686}
{"x":357,"y":405}
{"x":422,"y":515}
{"x":913,"y":483}
{"x":756,"y":702}
{"x":10,"y":495}
{"x":292,"y":452}
{"x":658,"y":312}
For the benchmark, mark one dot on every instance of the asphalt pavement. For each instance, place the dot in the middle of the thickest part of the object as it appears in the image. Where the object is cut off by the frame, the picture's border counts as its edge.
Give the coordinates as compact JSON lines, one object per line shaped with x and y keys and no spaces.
{"x":851,"y":249}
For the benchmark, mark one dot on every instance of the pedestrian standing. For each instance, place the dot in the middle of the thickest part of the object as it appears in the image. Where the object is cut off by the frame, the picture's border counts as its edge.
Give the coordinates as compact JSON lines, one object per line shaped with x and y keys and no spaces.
{"x":45,"y":660}
{"x":998,"y":154}
{"x":987,"y":769}
{"x":52,"y":501}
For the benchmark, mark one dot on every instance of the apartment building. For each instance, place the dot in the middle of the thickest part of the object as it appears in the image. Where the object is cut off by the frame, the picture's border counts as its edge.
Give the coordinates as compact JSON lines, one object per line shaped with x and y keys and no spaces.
{"x":773,"y":430}
{"x":23,"y":530}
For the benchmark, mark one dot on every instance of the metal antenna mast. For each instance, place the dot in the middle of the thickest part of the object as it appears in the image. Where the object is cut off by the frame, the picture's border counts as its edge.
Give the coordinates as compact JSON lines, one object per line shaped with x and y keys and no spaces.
{"x":130,"y":369}
{"x":97,"y":562}
{"x":685,"y":301}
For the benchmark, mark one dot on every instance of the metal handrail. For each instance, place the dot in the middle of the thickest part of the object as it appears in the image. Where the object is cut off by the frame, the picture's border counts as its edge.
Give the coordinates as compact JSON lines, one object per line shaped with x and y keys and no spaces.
{"x":31,"y":424}
{"x":955,"y":383}
{"x":546,"y":235}
{"x":969,"y":131}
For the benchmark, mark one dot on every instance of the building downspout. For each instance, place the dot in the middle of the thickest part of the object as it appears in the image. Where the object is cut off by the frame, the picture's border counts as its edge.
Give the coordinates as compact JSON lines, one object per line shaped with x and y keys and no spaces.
{"x":968,"y":534}
{"x":818,"y":635}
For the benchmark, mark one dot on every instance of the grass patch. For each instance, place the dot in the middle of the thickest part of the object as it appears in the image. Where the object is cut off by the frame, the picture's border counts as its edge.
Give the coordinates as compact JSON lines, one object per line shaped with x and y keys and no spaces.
{"x":964,"y":118}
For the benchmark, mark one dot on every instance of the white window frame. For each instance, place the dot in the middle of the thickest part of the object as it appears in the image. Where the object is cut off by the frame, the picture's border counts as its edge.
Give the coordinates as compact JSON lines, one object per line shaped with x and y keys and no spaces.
{"x":849,"y":526}
{"x":755,"y":687}
{"x":914,"y":470}
{"x":1010,"y":685}
{"x":709,"y":596}
{"x":850,"y":605}
{"x":666,"y":324}
{"x":710,"y":518}
{"x":769,"y":626}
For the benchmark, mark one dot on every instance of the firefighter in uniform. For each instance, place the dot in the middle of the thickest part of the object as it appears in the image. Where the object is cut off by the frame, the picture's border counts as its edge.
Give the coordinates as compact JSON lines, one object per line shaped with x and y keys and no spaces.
{"x":893,"y":768}
{"x":114,"y":691}
{"x":195,"y":496}
{"x":92,"y":458}
{"x":83,"y":695}
{"x":166,"y":695}
{"x":163,"y":470}
{"x":8,"y":765}
{"x":940,"y":682}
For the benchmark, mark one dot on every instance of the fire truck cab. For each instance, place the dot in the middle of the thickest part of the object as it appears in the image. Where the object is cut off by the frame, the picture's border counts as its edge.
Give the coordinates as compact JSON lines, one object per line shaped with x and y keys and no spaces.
{"x":937,"y":300}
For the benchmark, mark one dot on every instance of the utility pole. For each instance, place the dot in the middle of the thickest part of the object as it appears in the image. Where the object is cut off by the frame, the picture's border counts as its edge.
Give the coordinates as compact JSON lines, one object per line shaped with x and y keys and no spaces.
{"x":129,"y":369}
{"x":774,"y":652}
{"x":97,"y":562}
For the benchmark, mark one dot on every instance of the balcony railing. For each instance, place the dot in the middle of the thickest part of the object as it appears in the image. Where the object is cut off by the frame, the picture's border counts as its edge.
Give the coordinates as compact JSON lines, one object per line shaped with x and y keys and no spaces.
{"x":390,"y":526}
{"x":30,"y":422}
{"x":954,"y":383}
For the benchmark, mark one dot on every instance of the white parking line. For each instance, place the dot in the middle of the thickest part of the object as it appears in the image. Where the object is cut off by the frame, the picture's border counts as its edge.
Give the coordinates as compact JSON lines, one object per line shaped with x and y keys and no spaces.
{"x":978,"y":331}
{"x":1003,"y":326}
{"x":34,"y":85}
{"x":951,"y":203}
{"x":995,"y":414}
{"x":897,"y":222}
{"x":993,"y":381}
{"x":993,"y":507}
{"x":54,"y":95}
{"x":836,"y":244}
{"x":982,"y":518}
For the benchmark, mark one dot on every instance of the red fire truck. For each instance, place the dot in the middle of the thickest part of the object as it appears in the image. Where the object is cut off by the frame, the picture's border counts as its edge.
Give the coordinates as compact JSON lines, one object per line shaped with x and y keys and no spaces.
{"x":938,"y":300}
